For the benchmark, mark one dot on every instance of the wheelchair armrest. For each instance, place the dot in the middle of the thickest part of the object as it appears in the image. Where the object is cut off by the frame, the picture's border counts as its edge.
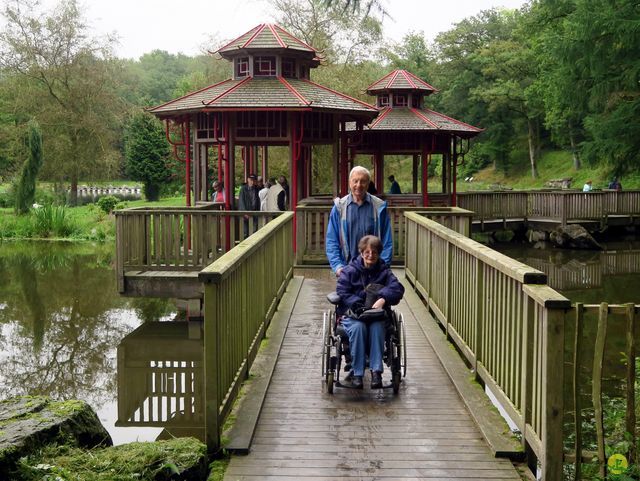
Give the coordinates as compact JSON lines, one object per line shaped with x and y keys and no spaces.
{"x":333,"y":298}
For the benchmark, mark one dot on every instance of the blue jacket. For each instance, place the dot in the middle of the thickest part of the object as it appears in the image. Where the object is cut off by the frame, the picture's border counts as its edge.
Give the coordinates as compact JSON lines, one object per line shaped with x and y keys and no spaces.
{"x":355,"y":277}
{"x":338,"y":244}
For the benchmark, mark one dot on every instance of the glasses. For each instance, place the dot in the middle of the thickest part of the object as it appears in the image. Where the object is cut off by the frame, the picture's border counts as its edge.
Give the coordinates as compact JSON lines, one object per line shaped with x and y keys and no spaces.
{"x":370,"y":253}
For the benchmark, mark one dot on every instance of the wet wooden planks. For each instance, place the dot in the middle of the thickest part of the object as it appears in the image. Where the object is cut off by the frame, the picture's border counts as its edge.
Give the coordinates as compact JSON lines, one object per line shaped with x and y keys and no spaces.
{"x":305,"y":433}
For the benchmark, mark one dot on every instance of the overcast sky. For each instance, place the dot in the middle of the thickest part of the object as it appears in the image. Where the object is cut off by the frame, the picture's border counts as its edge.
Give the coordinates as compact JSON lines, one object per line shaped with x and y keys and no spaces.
{"x":184,"y":26}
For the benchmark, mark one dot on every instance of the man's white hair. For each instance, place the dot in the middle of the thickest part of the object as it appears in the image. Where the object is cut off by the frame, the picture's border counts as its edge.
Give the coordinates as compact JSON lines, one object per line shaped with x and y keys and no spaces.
{"x":361,"y":170}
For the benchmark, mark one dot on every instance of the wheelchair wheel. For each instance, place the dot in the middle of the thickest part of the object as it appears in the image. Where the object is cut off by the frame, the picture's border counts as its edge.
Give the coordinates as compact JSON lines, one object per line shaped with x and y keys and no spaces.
{"x":328,"y":368}
{"x":395,"y":381}
{"x":402,"y":345}
{"x":324,"y":344}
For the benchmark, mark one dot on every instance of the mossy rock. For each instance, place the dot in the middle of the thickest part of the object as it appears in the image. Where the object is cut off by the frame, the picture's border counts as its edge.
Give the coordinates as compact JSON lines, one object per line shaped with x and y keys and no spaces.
{"x":29,"y":422}
{"x":179,"y":459}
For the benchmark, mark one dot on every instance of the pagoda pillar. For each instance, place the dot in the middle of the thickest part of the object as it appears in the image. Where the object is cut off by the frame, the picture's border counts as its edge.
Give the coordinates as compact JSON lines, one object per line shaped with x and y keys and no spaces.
{"x":378,"y":162}
{"x":414,"y":174}
{"x":426,"y":157}
{"x":265,"y":162}
{"x":454,"y":175}
{"x":187,"y":162}
{"x":336,"y":166}
{"x":344,"y":162}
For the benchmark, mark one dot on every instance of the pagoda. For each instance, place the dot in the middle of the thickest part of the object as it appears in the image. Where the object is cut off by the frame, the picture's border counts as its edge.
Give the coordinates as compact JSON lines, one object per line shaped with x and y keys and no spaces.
{"x":405,"y":126}
{"x":269,"y":100}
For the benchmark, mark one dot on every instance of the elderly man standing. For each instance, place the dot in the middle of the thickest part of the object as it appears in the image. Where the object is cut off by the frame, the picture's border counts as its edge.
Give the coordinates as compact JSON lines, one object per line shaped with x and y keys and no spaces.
{"x":354,"y":216}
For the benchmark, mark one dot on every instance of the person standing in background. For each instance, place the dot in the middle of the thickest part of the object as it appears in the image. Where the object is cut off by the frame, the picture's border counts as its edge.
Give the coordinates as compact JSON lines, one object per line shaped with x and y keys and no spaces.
{"x":395,"y":187}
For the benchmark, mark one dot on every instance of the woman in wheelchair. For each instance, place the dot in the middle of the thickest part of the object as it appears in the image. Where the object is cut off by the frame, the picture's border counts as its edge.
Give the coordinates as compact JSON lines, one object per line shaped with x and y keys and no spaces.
{"x":367,"y":283}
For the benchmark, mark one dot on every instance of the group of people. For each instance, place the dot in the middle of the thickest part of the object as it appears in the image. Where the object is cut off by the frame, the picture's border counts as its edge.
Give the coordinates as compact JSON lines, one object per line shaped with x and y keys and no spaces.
{"x":613,"y":185}
{"x":256,"y":195}
{"x":359,"y":248}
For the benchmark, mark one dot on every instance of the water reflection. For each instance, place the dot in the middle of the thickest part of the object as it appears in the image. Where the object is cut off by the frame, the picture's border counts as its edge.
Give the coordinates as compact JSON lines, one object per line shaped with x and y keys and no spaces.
{"x":61,"y":319}
{"x":611,"y":276}
{"x":160,"y":378}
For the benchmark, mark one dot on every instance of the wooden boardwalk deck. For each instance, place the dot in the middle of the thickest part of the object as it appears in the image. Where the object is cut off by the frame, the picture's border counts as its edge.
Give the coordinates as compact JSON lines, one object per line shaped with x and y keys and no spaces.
{"x":304,"y":433}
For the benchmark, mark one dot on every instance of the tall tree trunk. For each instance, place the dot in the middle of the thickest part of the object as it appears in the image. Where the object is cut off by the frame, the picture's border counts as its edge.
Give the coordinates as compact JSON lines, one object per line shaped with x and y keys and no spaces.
{"x":73,"y":192}
{"x":534,"y":146}
{"x":574,"y":149}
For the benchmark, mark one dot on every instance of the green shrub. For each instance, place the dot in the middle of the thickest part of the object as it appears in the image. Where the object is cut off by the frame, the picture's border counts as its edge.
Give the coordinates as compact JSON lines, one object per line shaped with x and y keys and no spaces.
{"x":107,"y":203}
{"x":52,"y":221}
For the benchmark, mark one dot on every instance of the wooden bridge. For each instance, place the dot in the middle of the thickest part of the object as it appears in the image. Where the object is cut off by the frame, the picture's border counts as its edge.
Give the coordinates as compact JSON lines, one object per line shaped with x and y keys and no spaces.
{"x":506,"y":323}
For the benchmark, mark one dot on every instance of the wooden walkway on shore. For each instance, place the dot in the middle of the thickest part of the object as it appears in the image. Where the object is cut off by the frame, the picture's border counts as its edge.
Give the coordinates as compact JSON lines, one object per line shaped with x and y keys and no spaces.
{"x":425,"y":432}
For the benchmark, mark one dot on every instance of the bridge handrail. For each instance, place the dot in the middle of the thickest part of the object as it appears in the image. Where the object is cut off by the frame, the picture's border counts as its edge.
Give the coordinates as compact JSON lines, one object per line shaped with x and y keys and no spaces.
{"x":241,"y":292}
{"x":505,"y":320}
{"x":561,"y":205}
{"x":312,"y":221}
{"x":178,"y":238}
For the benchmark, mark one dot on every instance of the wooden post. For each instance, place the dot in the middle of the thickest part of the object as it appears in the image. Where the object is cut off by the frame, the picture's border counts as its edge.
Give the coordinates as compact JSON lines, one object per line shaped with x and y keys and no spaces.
{"x":630,"y":419}
{"x":211,"y":364}
{"x":552,"y":401}
{"x":577,"y":404}
{"x":479,"y":300}
{"x":598,"y":359}
{"x":526,"y":388}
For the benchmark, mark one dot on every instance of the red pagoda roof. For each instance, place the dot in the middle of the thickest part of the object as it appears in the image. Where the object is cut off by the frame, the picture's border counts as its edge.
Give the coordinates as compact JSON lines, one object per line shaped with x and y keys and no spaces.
{"x":267,"y":36}
{"x":407,"y":120}
{"x":264,"y":93}
{"x":400,"y":80}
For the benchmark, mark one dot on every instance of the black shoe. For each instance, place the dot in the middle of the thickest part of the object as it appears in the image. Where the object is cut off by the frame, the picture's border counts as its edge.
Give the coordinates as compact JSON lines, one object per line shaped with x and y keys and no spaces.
{"x":376,"y":380}
{"x":356,"y":382}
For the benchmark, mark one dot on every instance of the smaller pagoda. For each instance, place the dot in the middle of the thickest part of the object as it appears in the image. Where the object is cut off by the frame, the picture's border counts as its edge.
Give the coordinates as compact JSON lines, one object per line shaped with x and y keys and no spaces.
{"x":406,"y":127}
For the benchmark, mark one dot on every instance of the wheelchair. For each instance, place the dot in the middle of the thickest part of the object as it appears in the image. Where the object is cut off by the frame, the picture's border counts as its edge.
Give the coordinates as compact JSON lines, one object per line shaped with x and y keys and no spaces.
{"x":336,"y":351}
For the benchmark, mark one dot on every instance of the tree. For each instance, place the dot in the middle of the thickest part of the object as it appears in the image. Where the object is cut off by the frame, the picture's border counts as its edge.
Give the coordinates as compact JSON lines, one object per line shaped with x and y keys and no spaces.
{"x":345,"y":37}
{"x":460,"y":72}
{"x":26,"y":187}
{"x":147,"y":154}
{"x":68,"y":82}
{"x":600,"y":52}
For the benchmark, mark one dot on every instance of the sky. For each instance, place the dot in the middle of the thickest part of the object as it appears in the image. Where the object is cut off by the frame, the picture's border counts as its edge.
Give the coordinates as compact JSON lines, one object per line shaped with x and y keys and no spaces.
{"x":187,"y":25}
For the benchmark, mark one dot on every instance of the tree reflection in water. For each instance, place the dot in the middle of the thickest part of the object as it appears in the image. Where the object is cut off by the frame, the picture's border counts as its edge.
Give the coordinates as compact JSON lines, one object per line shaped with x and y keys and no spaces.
{"x":61,"y":319}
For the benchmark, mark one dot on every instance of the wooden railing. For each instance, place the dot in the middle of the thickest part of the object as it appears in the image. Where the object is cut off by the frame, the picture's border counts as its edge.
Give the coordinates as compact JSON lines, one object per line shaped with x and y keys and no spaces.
{"x":312,"y":221}
{"x":179,"y":238}
{"x":593,"y":354}
{"x":241,"y":292}
{"x":505,"y":320}
{"x":560,"y":206}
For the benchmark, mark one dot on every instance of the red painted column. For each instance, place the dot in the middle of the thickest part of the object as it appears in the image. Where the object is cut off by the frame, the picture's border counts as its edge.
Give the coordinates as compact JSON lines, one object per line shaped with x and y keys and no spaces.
{"x":426,"y":157}
{"x":344,"y":162}
{"x":228,"y":184}
{"x":379,"y":166}
{"x":295,"y":155}
{"x":187,"y":162}
{"x":265,"y":163}
{"x":454,"y":174}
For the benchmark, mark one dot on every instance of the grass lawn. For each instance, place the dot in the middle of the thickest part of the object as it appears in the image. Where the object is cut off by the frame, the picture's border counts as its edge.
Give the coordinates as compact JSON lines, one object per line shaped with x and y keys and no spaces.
{"x":87,"y":222}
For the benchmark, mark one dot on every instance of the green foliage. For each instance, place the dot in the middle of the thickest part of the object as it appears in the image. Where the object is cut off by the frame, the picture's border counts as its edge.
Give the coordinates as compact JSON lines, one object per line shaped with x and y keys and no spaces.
{"x":147,"y":153}
{"x":345,"y":37}
{"x":52,"y":221}
{"x":159,"y":460}
{"x":26,"y":186}
{"x":56,"y":73}
{"x":108,"y":203}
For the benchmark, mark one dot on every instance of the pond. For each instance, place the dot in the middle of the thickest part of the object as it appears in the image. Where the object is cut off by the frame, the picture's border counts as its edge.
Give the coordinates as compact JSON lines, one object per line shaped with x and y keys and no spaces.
{"x":62,"y":323}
